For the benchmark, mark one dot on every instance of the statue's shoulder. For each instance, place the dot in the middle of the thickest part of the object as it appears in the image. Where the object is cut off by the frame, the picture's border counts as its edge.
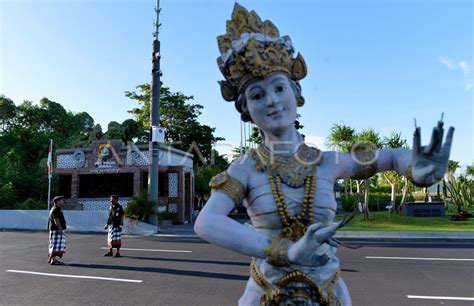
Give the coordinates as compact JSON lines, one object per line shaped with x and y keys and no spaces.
{"x":241,"y":169}
{"x":328,"y":156}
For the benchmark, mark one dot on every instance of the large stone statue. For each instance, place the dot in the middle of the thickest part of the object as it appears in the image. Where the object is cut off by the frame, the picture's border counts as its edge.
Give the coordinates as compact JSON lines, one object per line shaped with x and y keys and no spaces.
{"x":285,"y":185}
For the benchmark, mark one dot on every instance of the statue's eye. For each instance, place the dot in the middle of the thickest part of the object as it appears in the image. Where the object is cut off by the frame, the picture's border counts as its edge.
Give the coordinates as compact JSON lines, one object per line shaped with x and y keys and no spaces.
{"x":279,"y":88}
{"x":257,"y":96}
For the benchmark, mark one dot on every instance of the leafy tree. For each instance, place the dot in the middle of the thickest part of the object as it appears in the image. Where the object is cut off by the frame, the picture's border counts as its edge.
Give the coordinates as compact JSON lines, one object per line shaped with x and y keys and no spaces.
{"x":392,"y":177}
{"x":25,"y":135}
{"x":469,"y":171}
{"x":452,"y":167}
{"x":342,"y":137}
{"x":131,"y":130}
{"x":180,"y":118}
{"x":255,"y":136}
{"x":139,"y":208}
{"x":96,"y":133}
{"x":114,"y":131}
{"x":202,"y":177}
{"x":372,"y":139}
{"x":7,"y":113}
{"x":128,"y":130}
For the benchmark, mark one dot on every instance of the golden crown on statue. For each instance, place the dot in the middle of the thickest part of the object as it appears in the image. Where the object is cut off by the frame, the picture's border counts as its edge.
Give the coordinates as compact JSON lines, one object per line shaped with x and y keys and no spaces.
{"x":252,"y":49}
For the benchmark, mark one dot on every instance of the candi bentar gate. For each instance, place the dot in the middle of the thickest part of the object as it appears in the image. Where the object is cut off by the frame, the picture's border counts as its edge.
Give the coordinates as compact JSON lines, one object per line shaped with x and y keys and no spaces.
{"x":88,"y":176}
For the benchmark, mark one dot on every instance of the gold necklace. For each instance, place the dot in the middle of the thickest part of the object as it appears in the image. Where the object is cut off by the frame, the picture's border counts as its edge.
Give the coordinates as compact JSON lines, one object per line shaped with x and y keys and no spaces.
{"x":295,"y":171}
{"x":292,"y":169}
{"x":294,"y":227}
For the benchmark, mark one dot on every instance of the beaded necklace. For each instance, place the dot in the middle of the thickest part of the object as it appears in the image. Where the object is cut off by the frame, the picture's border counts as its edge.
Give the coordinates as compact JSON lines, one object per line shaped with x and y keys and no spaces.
{"x":294,"y":171}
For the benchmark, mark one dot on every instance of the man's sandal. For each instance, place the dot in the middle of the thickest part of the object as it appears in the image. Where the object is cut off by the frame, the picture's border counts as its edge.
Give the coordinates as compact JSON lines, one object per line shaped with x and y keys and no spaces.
{"x":57,"y":263}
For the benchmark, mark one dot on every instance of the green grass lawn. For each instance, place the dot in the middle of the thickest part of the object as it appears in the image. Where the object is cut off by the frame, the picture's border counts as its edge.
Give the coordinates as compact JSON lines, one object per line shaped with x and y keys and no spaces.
{"x":382,"y":221}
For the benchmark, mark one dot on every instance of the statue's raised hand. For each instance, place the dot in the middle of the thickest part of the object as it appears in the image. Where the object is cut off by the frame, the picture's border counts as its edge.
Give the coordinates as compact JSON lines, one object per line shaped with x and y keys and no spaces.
{"x":429,"y":163}
{"x":306,"y":251}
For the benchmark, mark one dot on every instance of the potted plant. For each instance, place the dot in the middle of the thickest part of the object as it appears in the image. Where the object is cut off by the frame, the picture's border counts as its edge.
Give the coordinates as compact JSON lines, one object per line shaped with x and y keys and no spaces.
{"x":165,"y":218}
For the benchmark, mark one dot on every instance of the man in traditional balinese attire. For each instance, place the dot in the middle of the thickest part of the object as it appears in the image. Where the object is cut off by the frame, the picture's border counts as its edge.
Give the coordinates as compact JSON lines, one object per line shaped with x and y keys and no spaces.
{"x":114,"y":227}
{"x":56,"y":227}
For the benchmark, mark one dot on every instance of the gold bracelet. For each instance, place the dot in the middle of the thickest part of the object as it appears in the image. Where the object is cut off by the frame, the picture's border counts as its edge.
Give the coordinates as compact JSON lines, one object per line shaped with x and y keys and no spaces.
{"x":366,"y":162}
{"x":229,"y":185}
{"x":277,"y":252}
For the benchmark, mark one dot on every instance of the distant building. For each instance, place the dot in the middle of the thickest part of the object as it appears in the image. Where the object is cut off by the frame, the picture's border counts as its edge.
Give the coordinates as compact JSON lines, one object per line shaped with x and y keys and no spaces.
{"x":87,"y":176}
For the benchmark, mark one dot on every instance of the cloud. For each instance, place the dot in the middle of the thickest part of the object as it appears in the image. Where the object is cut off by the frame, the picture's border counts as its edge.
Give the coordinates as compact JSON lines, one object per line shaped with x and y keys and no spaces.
{"x":468,"y":85}
{"x":447,"y":62}
{"x":316,"y":141}
{"x":464,"y":65}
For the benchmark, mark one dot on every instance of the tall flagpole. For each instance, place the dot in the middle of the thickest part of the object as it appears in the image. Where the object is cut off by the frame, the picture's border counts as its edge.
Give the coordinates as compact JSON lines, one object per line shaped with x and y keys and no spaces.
{"x":50,"y":171}
{"x":154,"y":118}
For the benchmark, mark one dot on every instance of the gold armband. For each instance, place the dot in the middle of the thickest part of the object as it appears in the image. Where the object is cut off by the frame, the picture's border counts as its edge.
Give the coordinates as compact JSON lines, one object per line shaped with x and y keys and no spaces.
{"x":366,"y":162}
{"x":277,"y":252}
{"x":409,"y":176}
{"x":227,"y":184}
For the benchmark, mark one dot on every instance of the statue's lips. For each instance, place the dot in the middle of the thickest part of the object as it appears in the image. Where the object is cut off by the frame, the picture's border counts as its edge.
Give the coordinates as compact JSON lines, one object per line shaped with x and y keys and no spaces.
{"x":275,"y":114}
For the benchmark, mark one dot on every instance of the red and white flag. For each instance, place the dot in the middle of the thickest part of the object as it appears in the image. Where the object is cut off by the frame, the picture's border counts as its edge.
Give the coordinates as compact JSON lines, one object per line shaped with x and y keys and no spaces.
{"x":50,"y":159}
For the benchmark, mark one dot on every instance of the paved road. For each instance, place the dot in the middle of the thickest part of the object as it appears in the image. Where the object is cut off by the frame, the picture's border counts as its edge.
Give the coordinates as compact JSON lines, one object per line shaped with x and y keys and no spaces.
{"x":188,"y":271}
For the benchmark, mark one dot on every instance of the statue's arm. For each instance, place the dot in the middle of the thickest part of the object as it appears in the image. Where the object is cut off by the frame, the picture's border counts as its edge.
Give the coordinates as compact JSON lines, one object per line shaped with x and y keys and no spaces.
{"x":424,"y":165}
{"x":214,"y":225}
{"x":348,"y":166}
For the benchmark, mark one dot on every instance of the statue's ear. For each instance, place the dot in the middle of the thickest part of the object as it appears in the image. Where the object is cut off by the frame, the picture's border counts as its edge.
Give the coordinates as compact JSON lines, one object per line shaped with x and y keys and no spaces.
{"x":245,"y":109}
{"x":229,"y":93}
{"x":298,"y":70}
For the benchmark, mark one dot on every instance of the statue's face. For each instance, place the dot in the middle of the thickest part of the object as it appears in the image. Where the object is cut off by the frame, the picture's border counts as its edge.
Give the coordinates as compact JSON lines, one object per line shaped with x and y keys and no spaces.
{"x":271,"y":103}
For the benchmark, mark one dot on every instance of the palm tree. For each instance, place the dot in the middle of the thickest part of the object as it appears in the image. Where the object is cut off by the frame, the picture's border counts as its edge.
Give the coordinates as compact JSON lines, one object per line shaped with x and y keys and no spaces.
{"x":342,"y":137}
{"x":203,"y":175}
{"x":372,"y":139}
{"x":469,"y":171}
{"x":392,"y":177}
{"x":452,"y":167}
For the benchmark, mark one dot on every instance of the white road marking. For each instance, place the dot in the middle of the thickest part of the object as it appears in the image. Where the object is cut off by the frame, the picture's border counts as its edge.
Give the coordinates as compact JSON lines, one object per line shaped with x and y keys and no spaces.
{"x":78,"y":276}
{"x":420,"y":258}
{"x":152,"y":250}
{"x":455,"y":298}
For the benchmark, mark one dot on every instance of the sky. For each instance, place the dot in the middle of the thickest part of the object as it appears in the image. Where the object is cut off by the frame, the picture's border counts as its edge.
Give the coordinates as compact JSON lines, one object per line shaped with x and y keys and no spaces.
{"x":371,"y":64}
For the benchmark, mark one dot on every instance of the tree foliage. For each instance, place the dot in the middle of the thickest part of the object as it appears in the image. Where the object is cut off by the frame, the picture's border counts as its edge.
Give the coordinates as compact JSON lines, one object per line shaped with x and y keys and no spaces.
{"x":394,"y":141}
{"x":341,"y":137}
{"x":25,"y":133}
{"x":180,"y":118}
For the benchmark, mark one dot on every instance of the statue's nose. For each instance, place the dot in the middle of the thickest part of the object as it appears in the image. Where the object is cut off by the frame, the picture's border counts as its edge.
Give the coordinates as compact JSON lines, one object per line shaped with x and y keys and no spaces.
{"x":271,"y":99}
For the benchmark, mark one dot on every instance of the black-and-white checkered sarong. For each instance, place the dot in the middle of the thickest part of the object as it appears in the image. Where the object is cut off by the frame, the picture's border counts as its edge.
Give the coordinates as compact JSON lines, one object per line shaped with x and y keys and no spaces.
{"x":114,"y":238}
{"x":57,"y":243}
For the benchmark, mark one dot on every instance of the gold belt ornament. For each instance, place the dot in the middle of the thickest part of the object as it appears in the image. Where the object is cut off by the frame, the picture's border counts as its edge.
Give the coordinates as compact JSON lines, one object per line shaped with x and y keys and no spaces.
{"x":295,"y":288}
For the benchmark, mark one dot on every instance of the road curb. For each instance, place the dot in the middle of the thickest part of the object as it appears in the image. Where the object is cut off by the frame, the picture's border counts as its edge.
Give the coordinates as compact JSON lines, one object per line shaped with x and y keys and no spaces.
{"x":465,"y":237}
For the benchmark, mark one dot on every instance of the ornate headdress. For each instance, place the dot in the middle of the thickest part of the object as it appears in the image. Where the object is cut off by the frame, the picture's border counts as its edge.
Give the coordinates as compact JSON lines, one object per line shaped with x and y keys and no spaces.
{"x":252,"y":49}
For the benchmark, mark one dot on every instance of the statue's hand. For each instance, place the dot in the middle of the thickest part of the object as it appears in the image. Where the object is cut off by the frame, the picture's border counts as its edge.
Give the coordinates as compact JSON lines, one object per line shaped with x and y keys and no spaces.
{"x":305,"y":251}
{"x":429,"y":163}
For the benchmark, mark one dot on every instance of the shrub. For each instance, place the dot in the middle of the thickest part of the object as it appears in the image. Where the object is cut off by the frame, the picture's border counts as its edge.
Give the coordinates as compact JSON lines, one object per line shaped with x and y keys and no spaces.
{"x":140,"y":208}
{"x":461,"y":193}
{"x":8,"y":196}
{"x":33,"y":204}
{"x":419,"y":196}
{"x":166,"y":215}
{"x":377,"y":200}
